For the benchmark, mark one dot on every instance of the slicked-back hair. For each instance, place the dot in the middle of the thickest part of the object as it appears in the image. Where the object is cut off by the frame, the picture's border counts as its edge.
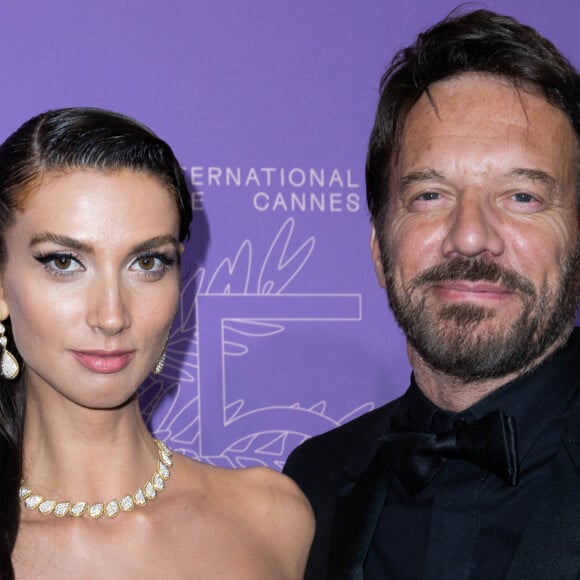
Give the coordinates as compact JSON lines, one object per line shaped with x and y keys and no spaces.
{"x":60,"y":141}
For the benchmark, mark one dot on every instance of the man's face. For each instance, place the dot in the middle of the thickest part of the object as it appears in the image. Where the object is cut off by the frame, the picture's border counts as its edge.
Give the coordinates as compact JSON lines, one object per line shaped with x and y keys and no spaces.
{"x":478,"y":250}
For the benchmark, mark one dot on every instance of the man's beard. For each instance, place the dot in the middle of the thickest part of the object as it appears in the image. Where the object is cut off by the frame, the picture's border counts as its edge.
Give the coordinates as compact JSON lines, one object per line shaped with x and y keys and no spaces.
{"x":457,"y":340}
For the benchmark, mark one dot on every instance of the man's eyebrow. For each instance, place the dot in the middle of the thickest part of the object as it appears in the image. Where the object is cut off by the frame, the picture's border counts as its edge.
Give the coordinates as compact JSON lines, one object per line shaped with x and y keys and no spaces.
{"x":535,"y":175}
{"x":521,"y":172}
{"x":416,"y":176}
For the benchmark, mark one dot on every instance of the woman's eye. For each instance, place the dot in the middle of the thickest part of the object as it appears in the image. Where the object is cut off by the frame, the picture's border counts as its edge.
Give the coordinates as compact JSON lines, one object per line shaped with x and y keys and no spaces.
{"x":153,"y":263}
{"x":63,"y":262}
{"x":60,"y":264}
{"x":146,"y":262}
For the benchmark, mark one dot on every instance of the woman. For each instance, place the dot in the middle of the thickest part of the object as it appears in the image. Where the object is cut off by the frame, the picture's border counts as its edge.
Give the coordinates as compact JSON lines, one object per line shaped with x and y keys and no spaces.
{"x":93,"y":213}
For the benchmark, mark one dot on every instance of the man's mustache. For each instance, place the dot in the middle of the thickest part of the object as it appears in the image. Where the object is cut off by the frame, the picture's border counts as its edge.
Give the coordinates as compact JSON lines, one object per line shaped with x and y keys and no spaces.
{"x":463,"y":269}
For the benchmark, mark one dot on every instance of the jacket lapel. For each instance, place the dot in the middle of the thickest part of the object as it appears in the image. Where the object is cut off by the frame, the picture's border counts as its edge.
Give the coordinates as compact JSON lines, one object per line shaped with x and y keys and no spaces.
{"x":550,"y":546}
{"x":358,"y":513}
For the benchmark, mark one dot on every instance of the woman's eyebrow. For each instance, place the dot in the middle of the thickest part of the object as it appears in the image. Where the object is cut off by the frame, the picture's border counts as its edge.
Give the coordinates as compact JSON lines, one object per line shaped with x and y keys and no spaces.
{"x":155,"y":243}
{"x":75,"y":244}
{"x":61,"y":241}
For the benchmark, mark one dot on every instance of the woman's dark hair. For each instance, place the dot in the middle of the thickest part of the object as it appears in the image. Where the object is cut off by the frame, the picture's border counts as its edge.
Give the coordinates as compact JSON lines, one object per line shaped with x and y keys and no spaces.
{"x":59,"y":141}
{"x":481,"y":42}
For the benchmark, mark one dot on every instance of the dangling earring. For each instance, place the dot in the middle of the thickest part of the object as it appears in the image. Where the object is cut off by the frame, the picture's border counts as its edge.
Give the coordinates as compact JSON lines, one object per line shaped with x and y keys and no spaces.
{"x":161,"y":362}
{"x":9,"y":368}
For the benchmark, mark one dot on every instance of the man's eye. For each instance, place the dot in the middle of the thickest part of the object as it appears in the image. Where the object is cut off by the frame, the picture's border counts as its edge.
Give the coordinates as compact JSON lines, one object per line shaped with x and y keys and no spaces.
{"x":523,"y":197}
{"x":428,"y":196}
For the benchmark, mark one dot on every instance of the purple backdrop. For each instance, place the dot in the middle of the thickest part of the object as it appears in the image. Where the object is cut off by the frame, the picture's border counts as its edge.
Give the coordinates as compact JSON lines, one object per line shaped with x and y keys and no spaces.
{"x":268,"y":105}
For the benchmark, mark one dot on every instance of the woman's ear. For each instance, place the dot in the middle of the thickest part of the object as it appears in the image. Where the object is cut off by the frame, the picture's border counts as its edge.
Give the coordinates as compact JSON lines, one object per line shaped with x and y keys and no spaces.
{"x":4,"y":308}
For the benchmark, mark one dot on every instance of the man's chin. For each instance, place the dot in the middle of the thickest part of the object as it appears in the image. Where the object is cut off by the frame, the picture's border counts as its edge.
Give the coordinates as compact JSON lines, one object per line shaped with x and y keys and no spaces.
{"x":473,"y":344}
{"x":469,"y":361}
{"x":474,"y":326}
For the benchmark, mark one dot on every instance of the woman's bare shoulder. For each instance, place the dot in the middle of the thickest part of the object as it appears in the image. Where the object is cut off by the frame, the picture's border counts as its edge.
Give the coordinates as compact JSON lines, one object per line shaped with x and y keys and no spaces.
{"x":252,"y":492}
{"x":272,"y":491}
{"x":266,"y":506}
{"x":281,"y":511}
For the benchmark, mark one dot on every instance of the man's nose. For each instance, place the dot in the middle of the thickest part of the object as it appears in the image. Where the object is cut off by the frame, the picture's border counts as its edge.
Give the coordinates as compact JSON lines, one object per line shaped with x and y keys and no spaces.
{"x":473,"y":229}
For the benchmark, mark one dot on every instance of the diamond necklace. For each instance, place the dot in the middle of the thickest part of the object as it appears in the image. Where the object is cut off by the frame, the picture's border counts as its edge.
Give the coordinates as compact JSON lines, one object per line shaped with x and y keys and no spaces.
{"x":111,"y":509}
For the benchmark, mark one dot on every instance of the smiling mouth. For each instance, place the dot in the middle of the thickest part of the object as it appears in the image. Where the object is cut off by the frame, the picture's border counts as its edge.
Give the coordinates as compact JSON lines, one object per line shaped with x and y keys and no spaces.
{"x":104,"y":362}
{"x":467,"y":290}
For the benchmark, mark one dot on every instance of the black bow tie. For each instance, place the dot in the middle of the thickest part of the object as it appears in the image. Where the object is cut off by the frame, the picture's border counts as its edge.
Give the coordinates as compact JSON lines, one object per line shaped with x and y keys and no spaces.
{"x":489,"y":442}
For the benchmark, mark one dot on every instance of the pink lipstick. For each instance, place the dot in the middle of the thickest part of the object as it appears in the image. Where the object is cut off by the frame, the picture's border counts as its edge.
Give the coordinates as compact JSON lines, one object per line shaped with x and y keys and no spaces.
{"x":104,"y":361}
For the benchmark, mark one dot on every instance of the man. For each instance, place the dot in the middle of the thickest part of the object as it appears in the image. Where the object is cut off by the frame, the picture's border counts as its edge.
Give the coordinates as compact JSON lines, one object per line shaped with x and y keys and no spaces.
{"x":472,"y":180}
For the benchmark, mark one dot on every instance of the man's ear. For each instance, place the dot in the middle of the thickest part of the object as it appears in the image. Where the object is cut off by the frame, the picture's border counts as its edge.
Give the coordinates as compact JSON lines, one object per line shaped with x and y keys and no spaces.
{"x":376,"y":257}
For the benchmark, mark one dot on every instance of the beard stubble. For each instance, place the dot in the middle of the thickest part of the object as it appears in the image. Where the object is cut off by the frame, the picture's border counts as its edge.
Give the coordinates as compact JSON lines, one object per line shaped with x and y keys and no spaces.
{"x":473,"y":342}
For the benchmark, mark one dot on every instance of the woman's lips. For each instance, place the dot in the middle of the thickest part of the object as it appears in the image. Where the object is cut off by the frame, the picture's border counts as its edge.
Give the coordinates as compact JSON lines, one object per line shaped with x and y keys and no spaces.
{"x":104,"y":362}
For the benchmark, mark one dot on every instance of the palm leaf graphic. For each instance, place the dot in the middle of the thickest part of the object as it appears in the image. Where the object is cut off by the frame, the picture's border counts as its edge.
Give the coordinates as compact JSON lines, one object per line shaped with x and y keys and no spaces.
{"x":170,"y":402}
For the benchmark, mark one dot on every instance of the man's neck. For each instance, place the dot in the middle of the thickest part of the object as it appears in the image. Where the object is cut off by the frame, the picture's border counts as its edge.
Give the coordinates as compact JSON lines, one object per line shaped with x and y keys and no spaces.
{"x":454,"y":394}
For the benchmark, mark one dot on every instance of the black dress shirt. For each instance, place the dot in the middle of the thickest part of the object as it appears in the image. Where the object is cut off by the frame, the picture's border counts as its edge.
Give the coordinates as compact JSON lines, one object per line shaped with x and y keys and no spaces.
{"x":467,"y":523}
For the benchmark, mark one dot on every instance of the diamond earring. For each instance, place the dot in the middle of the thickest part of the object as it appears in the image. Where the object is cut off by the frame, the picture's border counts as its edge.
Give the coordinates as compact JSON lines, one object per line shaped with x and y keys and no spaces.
{"x":9,"y":368}
{"x":161,"y":362}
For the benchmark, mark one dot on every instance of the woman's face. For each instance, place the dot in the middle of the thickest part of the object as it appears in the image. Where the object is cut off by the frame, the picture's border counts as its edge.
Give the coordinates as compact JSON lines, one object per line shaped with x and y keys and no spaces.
{"x":91,"y":283}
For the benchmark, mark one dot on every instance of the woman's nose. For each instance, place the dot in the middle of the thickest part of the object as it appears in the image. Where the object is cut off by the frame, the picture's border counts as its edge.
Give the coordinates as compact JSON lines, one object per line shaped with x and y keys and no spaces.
{"x":107,"y":309}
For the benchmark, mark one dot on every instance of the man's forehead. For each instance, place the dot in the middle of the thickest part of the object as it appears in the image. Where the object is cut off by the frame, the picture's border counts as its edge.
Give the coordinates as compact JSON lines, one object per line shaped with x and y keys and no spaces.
{"x":459,"y":95}
{"x":483,"y":105}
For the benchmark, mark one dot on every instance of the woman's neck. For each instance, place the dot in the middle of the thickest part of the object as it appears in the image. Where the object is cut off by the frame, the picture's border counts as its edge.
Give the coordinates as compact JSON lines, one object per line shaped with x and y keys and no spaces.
{"x":75,"y":453}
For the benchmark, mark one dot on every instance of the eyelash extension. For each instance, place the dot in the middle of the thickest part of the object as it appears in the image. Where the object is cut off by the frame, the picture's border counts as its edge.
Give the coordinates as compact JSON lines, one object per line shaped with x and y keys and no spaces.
{"x":167,"y":260}
{"x":45,"y":260}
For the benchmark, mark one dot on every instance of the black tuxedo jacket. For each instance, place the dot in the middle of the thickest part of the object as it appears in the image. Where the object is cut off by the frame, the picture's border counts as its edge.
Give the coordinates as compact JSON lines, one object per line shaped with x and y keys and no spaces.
{"x":332,"y":470}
